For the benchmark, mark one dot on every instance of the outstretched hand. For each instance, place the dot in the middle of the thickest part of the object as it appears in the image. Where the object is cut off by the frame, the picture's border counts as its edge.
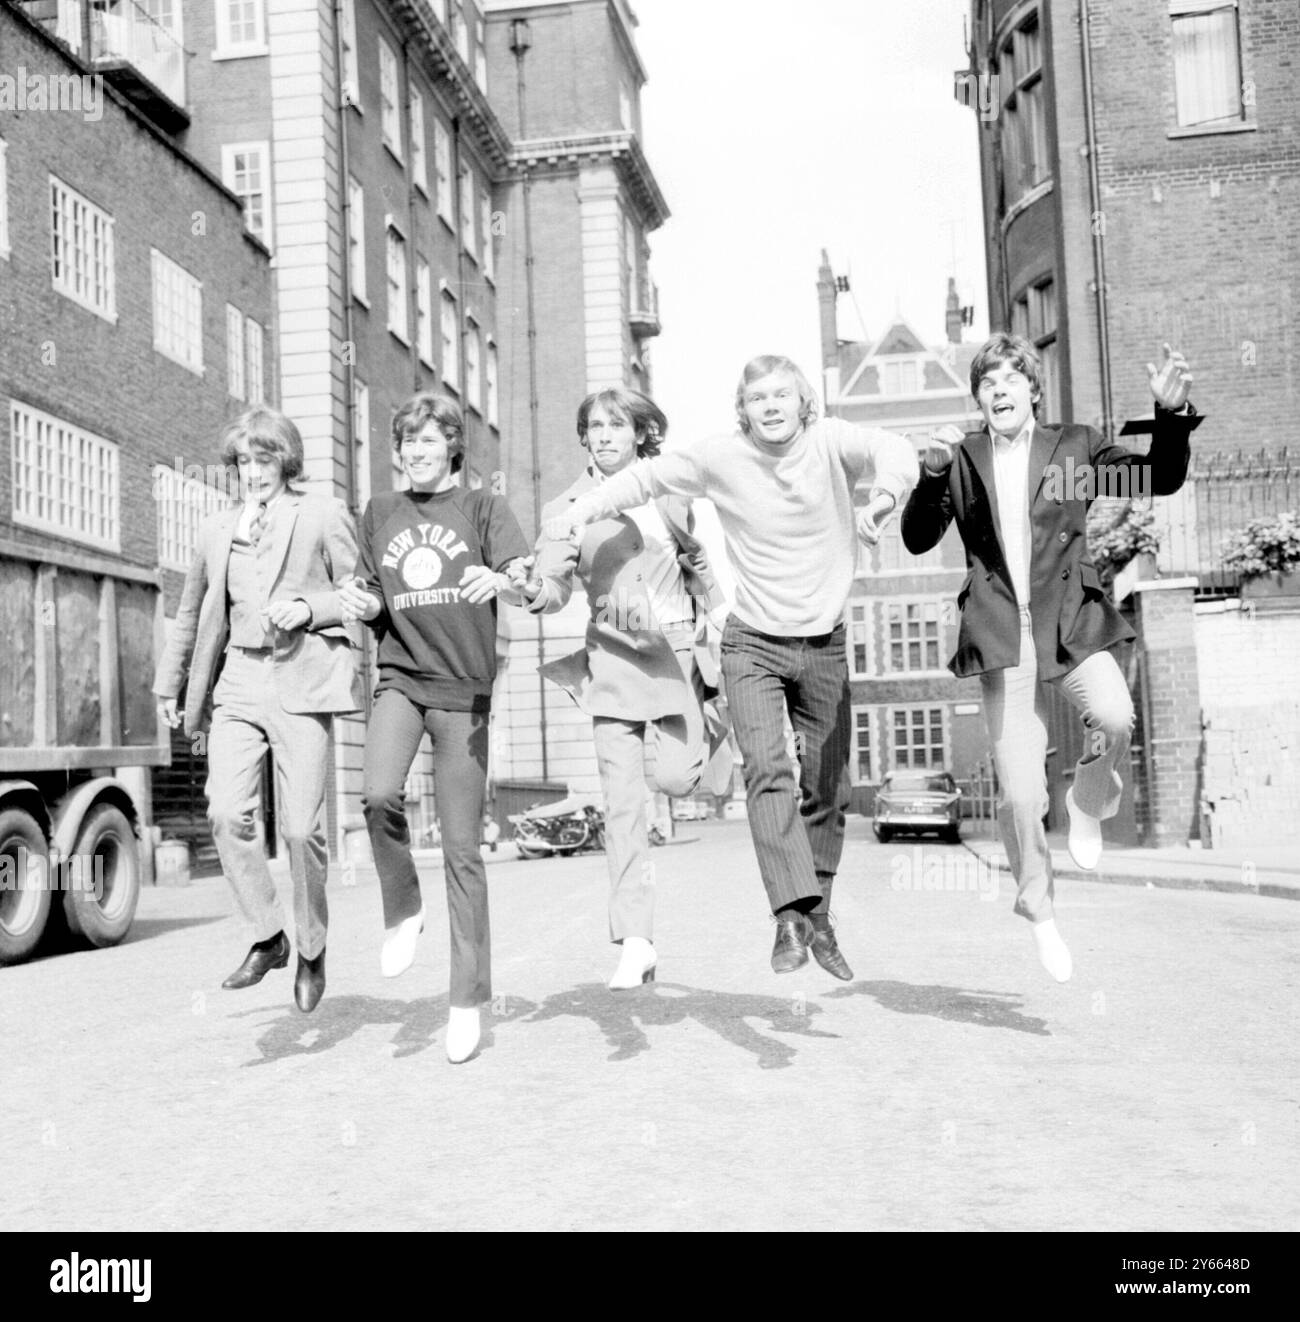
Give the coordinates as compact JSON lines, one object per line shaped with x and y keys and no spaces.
{"x":479,"y":584}
{"x":874,"y":516}
{"x":1171,"y":382}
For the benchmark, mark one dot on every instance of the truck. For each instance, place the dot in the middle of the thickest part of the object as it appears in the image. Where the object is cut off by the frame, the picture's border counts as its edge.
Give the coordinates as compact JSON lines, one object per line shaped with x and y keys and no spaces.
{"x":79,"y":731}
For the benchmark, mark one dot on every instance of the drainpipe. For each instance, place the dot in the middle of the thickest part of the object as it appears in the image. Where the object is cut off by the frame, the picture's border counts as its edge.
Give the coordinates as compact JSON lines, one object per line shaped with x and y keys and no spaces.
{"x":1098,"y":225}
{"x":520,"y":41}
{"x":345,"y":196}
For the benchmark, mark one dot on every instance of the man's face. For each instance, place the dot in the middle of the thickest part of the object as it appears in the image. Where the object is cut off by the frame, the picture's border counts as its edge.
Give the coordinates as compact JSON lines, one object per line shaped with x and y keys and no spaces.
{"x":261,"y":476}
{"x":426,"y":459}
{"x":611,"y":439}
{"x":1006,"y":399}
{"x":772,"y":407}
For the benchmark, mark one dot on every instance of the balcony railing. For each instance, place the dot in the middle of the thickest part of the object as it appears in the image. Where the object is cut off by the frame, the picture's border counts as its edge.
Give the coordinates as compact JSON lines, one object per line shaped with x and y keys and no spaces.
{"x":126,"y":41}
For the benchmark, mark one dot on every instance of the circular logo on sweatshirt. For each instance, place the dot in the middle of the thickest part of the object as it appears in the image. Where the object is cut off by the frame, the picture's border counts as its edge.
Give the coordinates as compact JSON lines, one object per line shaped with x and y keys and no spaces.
{"x":422,"y":568}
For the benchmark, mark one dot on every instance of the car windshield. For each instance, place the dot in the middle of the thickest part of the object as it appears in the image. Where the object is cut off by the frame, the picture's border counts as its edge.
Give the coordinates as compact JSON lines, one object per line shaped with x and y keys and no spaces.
{"x":920,"y":781}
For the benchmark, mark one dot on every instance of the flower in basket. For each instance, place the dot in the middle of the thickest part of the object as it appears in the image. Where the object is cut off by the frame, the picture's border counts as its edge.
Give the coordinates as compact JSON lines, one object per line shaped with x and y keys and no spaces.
{"x":1269,"y":545}
{"x":1114,"y":538}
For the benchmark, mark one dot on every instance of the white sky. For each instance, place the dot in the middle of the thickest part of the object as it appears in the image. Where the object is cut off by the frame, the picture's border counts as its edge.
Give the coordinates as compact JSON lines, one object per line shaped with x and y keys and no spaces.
{"x":779,"y":129}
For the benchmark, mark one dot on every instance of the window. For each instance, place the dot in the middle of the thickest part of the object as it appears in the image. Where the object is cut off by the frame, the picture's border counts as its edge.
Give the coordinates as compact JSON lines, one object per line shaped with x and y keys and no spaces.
{"x":480,"y":54}
{"x":361,"y":438}
{"x":1033,"y":315}
{"x":467,"y":192}
{"x":348,"y":41}
{"x":244,"y":171}
{"x":631,"y":255}
{"x":890,"y":556}
{"x":473,"y":376}
{"x":485,"y":225}
{"x":1207,"y":63}
{"x":67,"y":23}
{"x":901,"y":378}
{"x":64,"y":480}
{"x":241,"y":28}
{"x":624,"y":105}
{"x":859,"y":640}
{"x":493,"y":399}
{"x":4,"y":200}
{"x":235,"y":366}
{"x":357,"y":239}
{"x":255,"y":341}
{"x":419,"y":166}
{"x":442,"y":169}
{"x":1024,"y":123}
{"x":424,"y":310}
{"x":183,"y":503}
{"x":459,"y":30}
{"x":860,"y":758}
{"x":81,"y":251}
{"x":177,"y":313}
{"x":390,"y":121}
{"x":918,"y":738}
{"x":913,"y":635}
{"x":397,"y":319}
{"x":450,"y":342}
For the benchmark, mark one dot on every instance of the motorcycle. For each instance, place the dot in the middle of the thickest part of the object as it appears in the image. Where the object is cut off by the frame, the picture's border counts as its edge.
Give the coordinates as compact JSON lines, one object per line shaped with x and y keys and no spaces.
{"x":566,"y":827}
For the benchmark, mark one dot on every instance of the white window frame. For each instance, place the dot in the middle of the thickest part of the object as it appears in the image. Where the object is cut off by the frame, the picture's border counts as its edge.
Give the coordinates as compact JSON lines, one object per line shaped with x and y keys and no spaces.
{"x":855,"y":744}
{"x":442,"y":173}
{"x":4,"y":200}
{"x":488,"y":262}
{"x":63,"y":480}
{"x":229,"y":172}
{"x":419,"y":156}
{"x":348,"y":40}
{"x":86,"y":232}
{"x":357,"y":239}
{"x":473,"y":366}
{"x":255,"y":347}
{"x":361,"y":437}
{"x":177,"y":298}
{"x":424,"y":311}
{"x":397,"y":272}
{"x":449,"y":330}
{"x":468,"y":191}
{"x":860,"y":627}
{"x":902,"y":604}
{"x":945,"y":736}
{"x":898,"y":367}
{"x":183,"y":503}
{"x":492,"y":383}
{"x":390,"y":107}
{"x":236,"y":362}
{"x":226,"y":47}
{"x":1240,"y":117}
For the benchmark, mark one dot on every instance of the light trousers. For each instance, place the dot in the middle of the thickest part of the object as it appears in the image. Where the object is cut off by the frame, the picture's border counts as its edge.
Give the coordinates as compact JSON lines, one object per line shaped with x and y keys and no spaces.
{"x":1015,"y":712}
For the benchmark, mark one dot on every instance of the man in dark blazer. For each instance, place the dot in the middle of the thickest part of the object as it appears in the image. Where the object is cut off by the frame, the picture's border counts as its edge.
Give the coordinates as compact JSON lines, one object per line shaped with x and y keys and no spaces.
{"x":259,"y":632}
{"x":1033,"y":609}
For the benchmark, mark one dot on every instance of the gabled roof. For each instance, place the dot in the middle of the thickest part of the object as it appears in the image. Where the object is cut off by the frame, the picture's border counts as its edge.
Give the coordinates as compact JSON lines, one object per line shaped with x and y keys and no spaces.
{"x":943,"y":368}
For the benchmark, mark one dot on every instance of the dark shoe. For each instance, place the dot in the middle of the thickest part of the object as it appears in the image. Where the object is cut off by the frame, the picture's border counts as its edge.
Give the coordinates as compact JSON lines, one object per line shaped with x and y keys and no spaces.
{"x":309,"y":984}
{"x":260,"y":960}
{"x":826,"y":952}
{"x":790,"y":950}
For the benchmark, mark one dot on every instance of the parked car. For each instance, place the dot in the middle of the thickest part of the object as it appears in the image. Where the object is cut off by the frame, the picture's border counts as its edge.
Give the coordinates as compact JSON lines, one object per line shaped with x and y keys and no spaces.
{"x":918,"y":801}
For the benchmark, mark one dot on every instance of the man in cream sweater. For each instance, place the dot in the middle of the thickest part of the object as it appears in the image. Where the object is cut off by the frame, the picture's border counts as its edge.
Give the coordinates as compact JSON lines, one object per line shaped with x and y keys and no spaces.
{"x":783,"y":487}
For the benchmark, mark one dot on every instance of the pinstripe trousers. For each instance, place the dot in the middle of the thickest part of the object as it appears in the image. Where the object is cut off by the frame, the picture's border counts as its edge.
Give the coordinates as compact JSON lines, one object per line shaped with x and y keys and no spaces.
{"x":797,"y":828}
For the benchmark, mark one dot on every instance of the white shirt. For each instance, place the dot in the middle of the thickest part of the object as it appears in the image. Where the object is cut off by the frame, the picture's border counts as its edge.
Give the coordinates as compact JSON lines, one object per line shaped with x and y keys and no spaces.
{"x":1011,"y":478}
{"x":247,"y":514}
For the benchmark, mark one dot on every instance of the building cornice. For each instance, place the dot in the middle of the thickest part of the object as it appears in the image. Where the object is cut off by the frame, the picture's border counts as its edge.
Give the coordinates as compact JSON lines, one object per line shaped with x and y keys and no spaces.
{"x":477,"y":118}
{"x":625,"y":20}
{"x":621,"y":149}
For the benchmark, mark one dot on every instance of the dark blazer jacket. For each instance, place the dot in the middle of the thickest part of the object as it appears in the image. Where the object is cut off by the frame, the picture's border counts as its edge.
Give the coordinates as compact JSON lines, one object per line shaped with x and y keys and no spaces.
{"x":627,"y":668}
{"x":1068,"y":467}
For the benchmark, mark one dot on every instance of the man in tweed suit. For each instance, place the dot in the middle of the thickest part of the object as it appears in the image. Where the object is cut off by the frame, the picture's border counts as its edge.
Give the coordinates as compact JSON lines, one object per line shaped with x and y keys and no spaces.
{"x":260,"y":632}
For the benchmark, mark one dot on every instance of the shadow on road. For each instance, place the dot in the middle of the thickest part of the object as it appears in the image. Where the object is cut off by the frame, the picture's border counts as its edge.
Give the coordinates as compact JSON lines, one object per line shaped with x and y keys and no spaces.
{"x":623,"y":1017}
{"x":954,"y":1004}
{"x":337,"y":1018}
{"x":143,"y":929}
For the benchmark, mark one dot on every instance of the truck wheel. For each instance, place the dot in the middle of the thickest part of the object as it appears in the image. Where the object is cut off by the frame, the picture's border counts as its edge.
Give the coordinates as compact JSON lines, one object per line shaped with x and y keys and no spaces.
{"x":102,"y":886}
{"x":24,"y":909}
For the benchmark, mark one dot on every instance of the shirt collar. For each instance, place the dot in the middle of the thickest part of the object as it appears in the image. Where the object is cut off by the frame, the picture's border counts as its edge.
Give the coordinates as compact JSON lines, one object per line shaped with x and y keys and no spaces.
{"x":1004,"y":446}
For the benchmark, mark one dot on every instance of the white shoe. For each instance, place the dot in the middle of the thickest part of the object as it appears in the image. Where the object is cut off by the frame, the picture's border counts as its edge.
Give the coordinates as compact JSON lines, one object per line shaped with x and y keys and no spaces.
{"x":1053,"y":953}
{"x":462,"y":1033}
{"x":1084,"y":841}
{"x":398,"y":953}
{"x":635,"y":965}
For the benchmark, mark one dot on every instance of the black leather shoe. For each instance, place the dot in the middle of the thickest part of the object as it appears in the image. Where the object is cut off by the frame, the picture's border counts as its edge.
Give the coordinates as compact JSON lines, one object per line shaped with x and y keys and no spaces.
{"x":826,"y":951}
{"x":309,"y":984}
{"x":790,"y":950}
{"x":260,"y":960}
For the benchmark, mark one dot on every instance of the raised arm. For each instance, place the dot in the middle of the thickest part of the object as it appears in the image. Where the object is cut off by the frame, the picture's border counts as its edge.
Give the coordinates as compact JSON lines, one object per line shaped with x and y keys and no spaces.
{"x":678,"y":472}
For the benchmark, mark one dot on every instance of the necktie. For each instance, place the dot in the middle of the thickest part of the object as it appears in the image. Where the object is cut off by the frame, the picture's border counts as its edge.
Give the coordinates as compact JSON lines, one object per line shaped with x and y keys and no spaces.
{"x":258,"y":524}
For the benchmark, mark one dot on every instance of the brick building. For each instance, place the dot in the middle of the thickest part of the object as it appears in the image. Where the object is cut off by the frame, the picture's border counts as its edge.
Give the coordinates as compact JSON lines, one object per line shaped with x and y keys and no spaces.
{"x":1141,"y":176}
{"x":136,"y":315}
{"x":908,"y":708}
